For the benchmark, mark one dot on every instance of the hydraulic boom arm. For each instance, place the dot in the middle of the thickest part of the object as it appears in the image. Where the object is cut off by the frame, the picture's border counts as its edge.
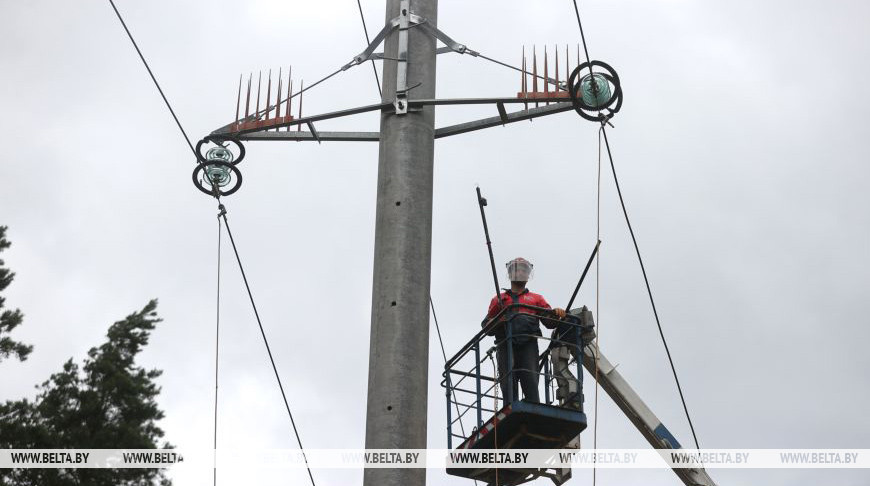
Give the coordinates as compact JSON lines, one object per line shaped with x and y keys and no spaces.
{"x":640,"y":415}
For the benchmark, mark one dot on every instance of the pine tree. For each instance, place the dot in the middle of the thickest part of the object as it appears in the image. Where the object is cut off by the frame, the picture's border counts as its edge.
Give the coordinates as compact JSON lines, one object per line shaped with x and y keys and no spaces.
{"x":107,"y":403}
{"x":9,"y":319}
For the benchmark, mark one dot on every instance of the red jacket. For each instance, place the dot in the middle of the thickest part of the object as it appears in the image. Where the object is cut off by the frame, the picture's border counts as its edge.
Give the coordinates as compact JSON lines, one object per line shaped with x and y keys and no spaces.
{"x":524,"y":297}
{"x":522,"y":326}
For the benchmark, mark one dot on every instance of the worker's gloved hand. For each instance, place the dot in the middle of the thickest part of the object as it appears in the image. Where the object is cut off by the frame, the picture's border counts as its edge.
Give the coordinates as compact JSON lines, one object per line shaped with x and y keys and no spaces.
{"x":560,"y":313}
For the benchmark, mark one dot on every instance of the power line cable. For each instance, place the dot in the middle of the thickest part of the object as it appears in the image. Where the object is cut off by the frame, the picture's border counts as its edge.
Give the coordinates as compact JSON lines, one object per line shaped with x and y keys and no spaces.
{"x":598,"y":257}
{"x":438,"y":328}
{"x":603,"y":132}
{"x":368,"y":41}
{"x":444,"y":354}
{"x":648,"y":289}
{"x":582,"y":35}
{"x":124,"y":24}
{"x":597,"y":348}
{"x":217,"y":342}
{"x":223,"y":214}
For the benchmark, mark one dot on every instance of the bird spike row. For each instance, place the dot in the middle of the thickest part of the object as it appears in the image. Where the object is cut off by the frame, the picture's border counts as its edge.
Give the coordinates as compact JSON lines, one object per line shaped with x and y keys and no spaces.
{"x":270,"y":117}
{"x":523,"y":83}
{"x":301,"y":89}
{"x":535,"y":70}
{"x":259,"y":84}
{"x":558,"y":90}
{"x":546,"y":74}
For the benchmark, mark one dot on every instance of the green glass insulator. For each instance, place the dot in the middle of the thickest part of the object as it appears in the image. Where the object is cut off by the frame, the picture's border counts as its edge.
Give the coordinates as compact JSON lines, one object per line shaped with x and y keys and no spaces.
{"x":219,"y":153}
{"x":595,"y":95}
{"x":218,"y":174}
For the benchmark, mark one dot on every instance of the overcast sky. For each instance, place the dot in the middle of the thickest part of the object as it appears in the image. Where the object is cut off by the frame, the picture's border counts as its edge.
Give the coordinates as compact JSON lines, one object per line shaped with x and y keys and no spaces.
{"x":741,"y":149}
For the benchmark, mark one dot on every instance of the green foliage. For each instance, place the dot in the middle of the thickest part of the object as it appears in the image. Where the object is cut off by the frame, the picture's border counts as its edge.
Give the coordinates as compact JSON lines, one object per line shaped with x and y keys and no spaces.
{"x":108,"y":403}
{"x":9,"y":319}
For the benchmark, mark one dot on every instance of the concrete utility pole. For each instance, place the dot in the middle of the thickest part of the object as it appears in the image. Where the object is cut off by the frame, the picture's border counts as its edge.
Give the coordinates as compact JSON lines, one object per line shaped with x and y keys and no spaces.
{"x":399,"y":349}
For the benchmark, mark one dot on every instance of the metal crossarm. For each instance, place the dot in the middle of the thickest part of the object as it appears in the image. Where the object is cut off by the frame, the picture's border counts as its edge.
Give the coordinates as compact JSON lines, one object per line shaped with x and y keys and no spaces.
{"x":262,"y":134}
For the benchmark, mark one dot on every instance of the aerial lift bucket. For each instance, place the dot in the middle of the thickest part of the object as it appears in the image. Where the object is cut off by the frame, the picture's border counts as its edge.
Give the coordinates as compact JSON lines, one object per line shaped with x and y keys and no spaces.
{"x":512,"y":423}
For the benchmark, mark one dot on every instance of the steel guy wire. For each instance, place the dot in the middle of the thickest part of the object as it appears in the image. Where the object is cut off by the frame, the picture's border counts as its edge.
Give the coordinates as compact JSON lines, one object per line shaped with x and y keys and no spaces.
{"x":260,"y":113}
{"x":368,"y":42}
{"x":269,"y":107}
{"x":519,"y":70}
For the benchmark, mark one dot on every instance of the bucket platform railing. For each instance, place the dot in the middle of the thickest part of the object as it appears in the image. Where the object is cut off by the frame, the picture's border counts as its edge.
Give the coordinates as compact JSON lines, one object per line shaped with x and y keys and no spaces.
{"x":482,"y":416}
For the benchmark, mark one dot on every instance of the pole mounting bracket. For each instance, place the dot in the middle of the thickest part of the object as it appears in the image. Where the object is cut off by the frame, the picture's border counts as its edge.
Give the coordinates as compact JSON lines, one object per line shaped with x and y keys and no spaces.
{"x":405,"y":21}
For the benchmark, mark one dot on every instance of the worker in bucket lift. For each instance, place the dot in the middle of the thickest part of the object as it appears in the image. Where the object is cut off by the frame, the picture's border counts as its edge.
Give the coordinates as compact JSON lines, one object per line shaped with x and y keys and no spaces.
{"x":563,"y":347}
{"x":525,"y":330}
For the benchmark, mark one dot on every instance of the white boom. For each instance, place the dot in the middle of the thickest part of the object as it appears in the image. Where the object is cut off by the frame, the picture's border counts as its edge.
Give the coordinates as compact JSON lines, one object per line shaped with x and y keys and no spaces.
{"x":640,"y":415}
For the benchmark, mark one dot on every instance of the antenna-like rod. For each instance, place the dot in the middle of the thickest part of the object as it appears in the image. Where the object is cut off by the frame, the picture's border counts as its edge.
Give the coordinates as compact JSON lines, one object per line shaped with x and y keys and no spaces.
{"x":481,"y":201}
{"x":583,"y":276}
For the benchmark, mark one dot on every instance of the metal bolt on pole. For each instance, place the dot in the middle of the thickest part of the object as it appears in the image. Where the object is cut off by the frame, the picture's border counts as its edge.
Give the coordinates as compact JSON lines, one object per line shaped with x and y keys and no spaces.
{"x":399,"y":347}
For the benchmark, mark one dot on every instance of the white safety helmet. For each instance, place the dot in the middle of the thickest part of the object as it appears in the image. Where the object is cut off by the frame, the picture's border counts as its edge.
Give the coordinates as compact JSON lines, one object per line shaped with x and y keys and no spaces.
{"x":520,"y":270}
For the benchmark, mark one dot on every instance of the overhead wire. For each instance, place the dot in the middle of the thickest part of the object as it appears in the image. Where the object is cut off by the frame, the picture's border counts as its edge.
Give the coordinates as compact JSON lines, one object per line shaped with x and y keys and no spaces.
{"x":444,"y":354}
{"x":495,"y":407}
{"x":597,"y":348}
{"x":648,"y":288}
{"x":265,"y":341}
{"x":603,"y":132}
{"x":582,"y":35}
{"x":217,"y":335}
{"x":153,"y":78}
{"x":250,"y":295}
{"x":438,"y":328}
{"x":223,"y":215}
{"x":368,"y":41}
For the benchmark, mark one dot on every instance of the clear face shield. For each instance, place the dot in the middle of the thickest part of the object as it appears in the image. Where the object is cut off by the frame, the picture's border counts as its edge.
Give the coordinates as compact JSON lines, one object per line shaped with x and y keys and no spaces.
{"x":520,"y":270}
